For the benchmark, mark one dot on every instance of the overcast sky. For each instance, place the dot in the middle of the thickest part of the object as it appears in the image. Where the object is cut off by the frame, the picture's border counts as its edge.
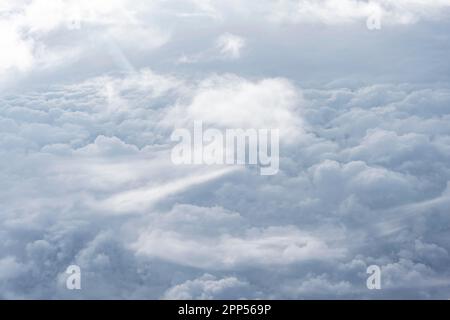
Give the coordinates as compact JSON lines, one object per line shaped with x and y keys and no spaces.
{"x":91,"y":90}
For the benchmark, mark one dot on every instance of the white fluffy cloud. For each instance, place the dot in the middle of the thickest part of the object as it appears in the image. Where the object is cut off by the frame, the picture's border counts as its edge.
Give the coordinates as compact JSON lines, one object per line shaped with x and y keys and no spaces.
{"x":85,"y":170}
{"x":206,"y":287}
{"x":230,"y":45}
{"x":370,"y":179}
{"x":229,"y":246}
{"x":233,"y":102}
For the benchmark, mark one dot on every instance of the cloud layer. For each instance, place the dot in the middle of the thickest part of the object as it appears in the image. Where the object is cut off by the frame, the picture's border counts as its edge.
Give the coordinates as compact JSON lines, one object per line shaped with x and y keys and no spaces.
{"x":86,"y":113}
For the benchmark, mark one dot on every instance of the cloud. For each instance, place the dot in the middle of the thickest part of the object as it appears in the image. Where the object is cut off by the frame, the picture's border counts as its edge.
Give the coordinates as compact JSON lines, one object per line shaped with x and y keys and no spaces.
{"x":91,"y":92}
{"x":232,"y":102}
{"x":251,"y":247}
{"x":230,"y":45}
{"x":206,"y":287}
{"x":350,"y":185}
{"x":9,"y":268}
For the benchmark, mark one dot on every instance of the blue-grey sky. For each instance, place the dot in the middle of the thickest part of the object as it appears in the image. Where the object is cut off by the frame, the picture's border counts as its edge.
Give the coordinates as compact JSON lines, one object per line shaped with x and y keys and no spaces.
{"x":91,"y":90}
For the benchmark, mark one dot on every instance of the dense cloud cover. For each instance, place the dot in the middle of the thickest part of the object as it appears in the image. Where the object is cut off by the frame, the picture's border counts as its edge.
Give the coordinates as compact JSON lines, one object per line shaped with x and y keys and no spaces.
{"x":92,"y":90}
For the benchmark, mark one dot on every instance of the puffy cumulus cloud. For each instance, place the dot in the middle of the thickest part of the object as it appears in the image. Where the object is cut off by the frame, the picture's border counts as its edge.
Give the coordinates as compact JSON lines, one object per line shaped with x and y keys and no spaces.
{"x":317,"y":286}
{"x":9,"y":268}
{"x":406,"y":274}
{"x":207,"y":287}
{"x":16,"y":53}
{"x":86,"y":179}
{"x":224,"y":241}
{"x":232,"y":102}
{"x":373,"y":187}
